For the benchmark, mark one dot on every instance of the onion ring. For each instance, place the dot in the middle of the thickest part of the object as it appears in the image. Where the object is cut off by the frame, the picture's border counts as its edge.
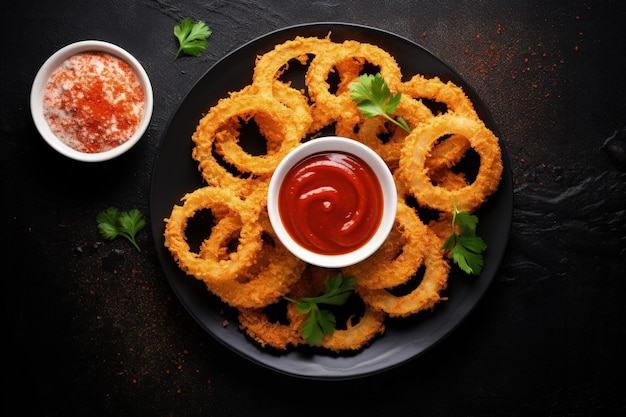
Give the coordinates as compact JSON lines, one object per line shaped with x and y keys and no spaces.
{"x":443,"y":157}
{"x":453,"y":96}
{"x":419,"y":144}
{"x":427,"y":293}
{"x":398,"y":258}
{"x":274,"y":272}
{"x":212,"y":268}
{"x":271,"y":65}
{"x":329,"y":107}
{"x":256,"y":323}
{"x":284,"y":139}
{"x":371,"y":131}
{"x":225,"y":231}
{"x":355,"y":335}
{"x":222,"y":115}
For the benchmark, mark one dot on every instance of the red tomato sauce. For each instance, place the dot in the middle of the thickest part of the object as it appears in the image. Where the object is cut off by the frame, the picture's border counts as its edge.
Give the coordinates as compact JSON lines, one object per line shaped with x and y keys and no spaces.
{"x":331,"y":203}
{"x":93,"y":102}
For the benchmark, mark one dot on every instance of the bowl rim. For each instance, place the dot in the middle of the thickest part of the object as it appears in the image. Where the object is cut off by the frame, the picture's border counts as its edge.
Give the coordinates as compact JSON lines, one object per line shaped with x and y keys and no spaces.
{"x":384,"y":175}
{"x":53,"y":62}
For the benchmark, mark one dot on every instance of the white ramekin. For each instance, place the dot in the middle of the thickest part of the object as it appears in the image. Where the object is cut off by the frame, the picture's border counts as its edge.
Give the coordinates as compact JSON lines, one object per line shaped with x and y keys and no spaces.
{"x":390,"y":197}
{"x":39,"y":86}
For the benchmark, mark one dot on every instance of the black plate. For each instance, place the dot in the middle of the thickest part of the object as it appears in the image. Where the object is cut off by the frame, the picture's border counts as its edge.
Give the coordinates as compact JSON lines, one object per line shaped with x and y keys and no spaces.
{"x":175,"y":173}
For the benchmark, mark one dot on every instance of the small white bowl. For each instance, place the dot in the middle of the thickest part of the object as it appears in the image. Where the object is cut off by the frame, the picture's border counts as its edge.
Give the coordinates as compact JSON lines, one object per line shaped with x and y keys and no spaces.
{"x":367,"y":155}
{"x":39,"y":87}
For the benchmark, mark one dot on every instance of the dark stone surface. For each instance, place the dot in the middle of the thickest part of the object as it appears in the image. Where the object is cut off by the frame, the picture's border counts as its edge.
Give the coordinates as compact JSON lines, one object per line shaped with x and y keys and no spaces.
{"x":92,"y":327}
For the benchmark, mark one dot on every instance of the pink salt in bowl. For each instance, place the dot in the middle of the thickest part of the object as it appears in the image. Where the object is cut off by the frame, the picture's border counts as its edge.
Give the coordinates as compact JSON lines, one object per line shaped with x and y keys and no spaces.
{"x":91,"y":101}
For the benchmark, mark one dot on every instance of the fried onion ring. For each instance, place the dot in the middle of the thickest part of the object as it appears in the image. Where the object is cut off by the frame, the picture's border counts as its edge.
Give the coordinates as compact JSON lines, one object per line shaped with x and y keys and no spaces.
{"x":329,"y":107}
{"x":223,"y":233}
{"x":256,"y":323}
{"x":420,"y":143}
{"x":272,"y":64}
{"x":223,"y":117}
{"x":355,"y":335}
{"x":444,"y":156}
{"x":372,"y":132}
{"x":424,"y":296}
{"x":449,"y":94}
{"x":273,"y":274}
{"x":280,"y":141}
{"x":395,"y":262}
{"x":213,"y":267}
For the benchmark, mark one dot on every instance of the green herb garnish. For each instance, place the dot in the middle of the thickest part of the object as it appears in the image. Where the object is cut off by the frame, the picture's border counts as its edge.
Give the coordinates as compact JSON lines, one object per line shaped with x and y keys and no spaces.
{"x":373,"y":98}
{"x":465,"y":246}
{"x":320,"y":322}
{"x":192,"y":37}
{"x":112,"y":223}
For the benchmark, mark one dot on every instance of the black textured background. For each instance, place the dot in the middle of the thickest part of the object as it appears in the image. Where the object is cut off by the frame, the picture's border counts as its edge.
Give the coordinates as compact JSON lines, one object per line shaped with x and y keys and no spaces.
{"x":93,"y":329}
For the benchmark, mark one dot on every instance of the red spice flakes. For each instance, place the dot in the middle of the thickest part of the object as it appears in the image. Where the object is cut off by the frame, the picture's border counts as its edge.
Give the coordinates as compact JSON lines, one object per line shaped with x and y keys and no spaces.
{"x":94,"y":102}
{"x":490,"y":57}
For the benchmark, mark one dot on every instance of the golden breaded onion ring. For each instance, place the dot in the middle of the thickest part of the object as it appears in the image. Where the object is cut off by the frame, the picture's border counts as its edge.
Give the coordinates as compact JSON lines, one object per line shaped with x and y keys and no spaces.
{"x":257,"y":324}
{"x":355,"y":335}
{"x":329,"y":107}
{"x":210,"y":268}
{"x":272,"y":64}
{"x":445,"y":155}
{"x":425,"y":295}
{"x":434,"y":89}
{"x":419,"y":145}
{"x":225,"y":230}
{"x":274,"y":272}
{"x":222,"y":122}
{"x":282,"y":129}
{"x":371,"y":131}
{"x":395,"y":262}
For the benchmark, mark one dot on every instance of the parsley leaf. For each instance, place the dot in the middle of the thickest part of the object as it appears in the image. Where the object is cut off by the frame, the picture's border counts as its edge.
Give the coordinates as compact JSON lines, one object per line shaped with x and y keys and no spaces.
{"x":192,"y":37}
{"x":373,"y":98}
{"x":112,"y":223}
{"x":465,"y":247}
{"x":321,"y":322}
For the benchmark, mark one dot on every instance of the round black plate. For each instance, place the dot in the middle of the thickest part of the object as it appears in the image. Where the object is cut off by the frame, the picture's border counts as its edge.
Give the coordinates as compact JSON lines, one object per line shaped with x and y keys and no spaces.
{"x":175,"y":173}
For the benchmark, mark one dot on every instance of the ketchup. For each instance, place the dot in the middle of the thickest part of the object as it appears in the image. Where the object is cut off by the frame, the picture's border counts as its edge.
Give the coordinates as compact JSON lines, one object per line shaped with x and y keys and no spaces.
{"x":331,"y":203}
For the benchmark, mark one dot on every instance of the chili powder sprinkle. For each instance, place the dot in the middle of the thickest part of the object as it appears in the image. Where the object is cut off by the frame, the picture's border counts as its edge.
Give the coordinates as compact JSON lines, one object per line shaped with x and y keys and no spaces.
{"x":93,"y":102}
